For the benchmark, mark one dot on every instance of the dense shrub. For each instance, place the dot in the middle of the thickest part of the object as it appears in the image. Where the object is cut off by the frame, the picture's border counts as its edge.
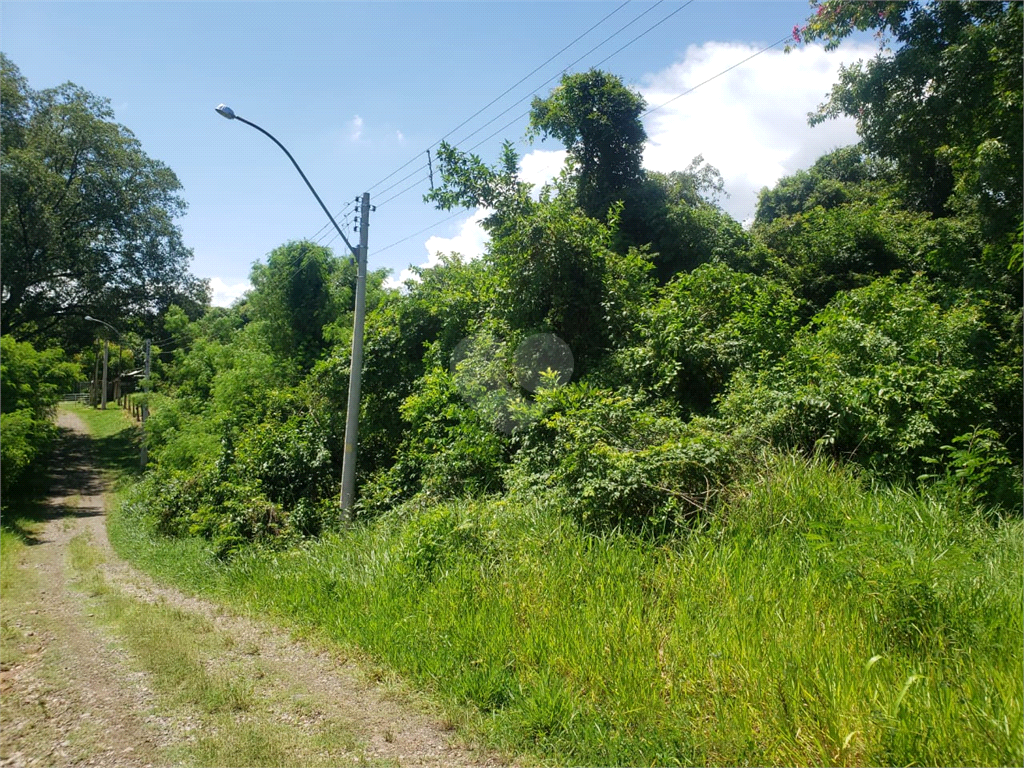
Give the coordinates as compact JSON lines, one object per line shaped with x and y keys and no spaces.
{"x":452,"y":447}
{"x":824,"y":251}
{"x":886,"y":376}
{"x":705,"y":325}
{"x":615,"y":463}
{"x":31,"y":382}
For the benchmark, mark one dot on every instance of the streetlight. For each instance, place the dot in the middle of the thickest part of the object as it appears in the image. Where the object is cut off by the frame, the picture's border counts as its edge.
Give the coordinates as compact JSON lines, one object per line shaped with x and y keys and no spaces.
{"x":348,"y":470}
{"x":106,"y":350}
{"x":145,"y":383}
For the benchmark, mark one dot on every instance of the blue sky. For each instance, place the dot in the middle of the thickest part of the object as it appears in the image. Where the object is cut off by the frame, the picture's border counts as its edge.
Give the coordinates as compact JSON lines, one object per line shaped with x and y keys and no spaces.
{"x":357,"y":89}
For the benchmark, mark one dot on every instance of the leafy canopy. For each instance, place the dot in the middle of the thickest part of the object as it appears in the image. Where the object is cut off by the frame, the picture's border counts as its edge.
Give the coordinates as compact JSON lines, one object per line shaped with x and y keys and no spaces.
{"x":945,"y":105}
{"x":86,"y":218}
{"x":597,"y":119}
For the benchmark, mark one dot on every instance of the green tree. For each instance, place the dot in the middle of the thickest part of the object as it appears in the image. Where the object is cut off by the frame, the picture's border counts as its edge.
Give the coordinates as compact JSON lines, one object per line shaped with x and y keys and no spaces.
{"x":889,"y":374}
{"x":843,"y":176}
{"x":31,"y":382}
{"x":704,"y":326}
{"x":468,"y":182}
{"x":301,"y":289}
{"x":407,"y":333}
{"x":86,"y":218}
{"x":597,"y":119}
{"x":551,"y":276}
{"x":677,"y":217}
{"x":945,"y":106}
{"x":823,"y":251}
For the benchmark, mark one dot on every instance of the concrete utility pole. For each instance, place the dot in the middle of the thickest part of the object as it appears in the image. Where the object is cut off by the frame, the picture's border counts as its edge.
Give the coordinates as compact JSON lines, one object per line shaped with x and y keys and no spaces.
{"x":348,"y":467}
{"x":103,"y":397}
{"x":106,"y":352}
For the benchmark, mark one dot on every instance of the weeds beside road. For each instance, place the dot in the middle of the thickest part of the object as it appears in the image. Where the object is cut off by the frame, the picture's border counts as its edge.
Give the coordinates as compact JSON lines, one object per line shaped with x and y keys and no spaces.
{"x":814,"y":620}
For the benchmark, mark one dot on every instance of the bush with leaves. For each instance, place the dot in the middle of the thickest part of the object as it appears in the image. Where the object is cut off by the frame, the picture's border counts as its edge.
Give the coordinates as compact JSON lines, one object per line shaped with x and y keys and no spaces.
{"x":451,"y":448}
{"x":434,"y":313}
{"x":820,"y":252}
{"x":617,"y":464}
{"x":288,"y":455}
{"x":705,"y":325}
{"x":886,"y":375}
{"x":31,"y":382}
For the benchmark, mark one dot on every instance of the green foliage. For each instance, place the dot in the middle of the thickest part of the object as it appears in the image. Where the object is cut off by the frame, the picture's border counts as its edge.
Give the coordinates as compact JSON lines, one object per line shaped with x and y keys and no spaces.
{"x":435,"y":313}
{"x":31,"y":382}
{"x":178,"y":438}
{"x":467,"y":182}
{"x":443,"y":537}
{"x":704,"y":326}
{"x":615,"y":464}
{"x":978,"y":470}
{"x":843,"y":176}
{"x":550,"y":273}
{"x":945,"y":107}
{"x":814,"y":620}
{"x":299,"y":291}
{"x":822,"y":252}
{"x":451,"y":447}
{"x":87,"y":218}
{"x":24,"y":439}
{"x":31,"y":379}
{"x":288,"y":455}
{"x":885,"y":375}
{"x":597,"y":119}
{"x":677,"y":217}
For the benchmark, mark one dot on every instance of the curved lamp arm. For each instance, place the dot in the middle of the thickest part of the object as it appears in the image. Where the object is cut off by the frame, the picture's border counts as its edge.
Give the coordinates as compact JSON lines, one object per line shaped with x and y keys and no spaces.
{"x":225,"y":111}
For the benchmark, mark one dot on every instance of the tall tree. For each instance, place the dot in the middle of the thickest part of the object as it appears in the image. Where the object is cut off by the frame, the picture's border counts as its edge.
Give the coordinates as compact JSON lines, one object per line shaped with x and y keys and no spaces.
{"x":301,"y":289}
{"x":597,"y":118}
{"x":945,"y":104}
{"x":87,"y":219}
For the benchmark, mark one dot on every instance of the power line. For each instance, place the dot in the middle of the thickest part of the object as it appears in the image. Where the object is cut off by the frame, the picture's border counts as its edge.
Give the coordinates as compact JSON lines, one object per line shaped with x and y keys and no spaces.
{"x":644,"y":114}
{"x":524,"y":114}
{"x":494,"y":100}
{"x":399,"y":194}
{"x":513,"y":86}
{"x":560,"y":73}
{"x":714,"y":77}
{"x":420,"y":232}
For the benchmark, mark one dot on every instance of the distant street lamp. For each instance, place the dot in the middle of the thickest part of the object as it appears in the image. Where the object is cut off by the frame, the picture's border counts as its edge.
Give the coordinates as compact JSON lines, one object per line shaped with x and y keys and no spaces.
{"x":145,"y":383}
{"x":106,"y":349}
{"x":348,"y":471}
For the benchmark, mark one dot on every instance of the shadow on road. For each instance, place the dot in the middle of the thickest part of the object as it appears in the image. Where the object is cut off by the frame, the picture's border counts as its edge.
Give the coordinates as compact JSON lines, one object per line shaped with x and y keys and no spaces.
{"x":58,"y":483}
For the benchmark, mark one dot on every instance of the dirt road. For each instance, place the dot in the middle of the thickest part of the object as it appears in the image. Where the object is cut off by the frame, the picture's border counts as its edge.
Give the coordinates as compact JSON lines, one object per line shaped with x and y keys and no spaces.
{"x":77,"y":686}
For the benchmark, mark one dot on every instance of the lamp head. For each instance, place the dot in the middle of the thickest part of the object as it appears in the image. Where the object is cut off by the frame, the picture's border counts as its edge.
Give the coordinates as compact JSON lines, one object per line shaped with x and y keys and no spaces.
{"x":225,"y":111}
{"x":91,"y":319}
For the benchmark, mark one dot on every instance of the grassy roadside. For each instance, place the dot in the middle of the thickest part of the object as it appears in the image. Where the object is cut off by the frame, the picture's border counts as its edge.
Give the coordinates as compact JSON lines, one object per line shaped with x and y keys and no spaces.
{"x":19,"y":526}
{"x":204,"y":679}
{"x":818,"y":621}
{"x":198,"y":673}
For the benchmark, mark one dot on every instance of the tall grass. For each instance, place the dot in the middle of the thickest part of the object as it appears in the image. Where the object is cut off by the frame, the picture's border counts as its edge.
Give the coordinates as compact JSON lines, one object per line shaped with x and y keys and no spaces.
{"x":814,"y":621}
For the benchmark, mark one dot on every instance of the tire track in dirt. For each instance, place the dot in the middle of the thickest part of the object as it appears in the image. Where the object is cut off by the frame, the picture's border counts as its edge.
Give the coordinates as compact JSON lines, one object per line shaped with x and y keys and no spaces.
{"x":77,"y":697}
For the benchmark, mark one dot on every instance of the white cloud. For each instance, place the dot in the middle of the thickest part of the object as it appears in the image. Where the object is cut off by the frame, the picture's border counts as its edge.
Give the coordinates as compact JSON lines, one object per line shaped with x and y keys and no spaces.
{"x":400,"y":136}
{"x":225,"y":295}
{"x":470,"y":242}
{"x":356,"y":128}
{"x":750,"y":123}
{"x":541,"y":166}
